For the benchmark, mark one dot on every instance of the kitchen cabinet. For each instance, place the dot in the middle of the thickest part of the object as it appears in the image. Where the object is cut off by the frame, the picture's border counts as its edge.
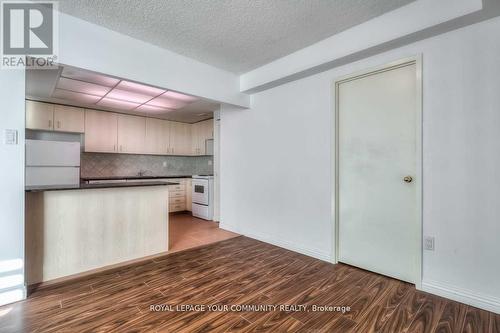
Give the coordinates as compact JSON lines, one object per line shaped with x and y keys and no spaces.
{"x":180,"y":138}
{"x":201,"y":132}
{"x":69,"y":119}
{"x":110,"y":132}
{"x":157,"y":137}
{"x":39,"y":116}
{"x":131,"y":134}
{"x":189,"y":198}
{"x":177,"y":196}
{"x":50,"y":117}
{"x":101,"y":131}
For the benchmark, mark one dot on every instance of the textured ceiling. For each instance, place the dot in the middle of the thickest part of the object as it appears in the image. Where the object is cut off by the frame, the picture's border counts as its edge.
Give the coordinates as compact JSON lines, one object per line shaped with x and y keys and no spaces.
{"x":235,"y":35}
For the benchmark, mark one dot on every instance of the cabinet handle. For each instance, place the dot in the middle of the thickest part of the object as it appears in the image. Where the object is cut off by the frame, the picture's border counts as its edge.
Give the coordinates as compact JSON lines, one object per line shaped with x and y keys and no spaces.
{"x":50,"y":123}
{"x":114,"y":147}
{"x":58,"y":124}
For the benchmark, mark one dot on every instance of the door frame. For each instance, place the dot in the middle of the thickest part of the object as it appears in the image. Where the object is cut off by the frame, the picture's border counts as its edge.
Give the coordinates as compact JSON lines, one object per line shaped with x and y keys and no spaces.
{"x":417,"y":61}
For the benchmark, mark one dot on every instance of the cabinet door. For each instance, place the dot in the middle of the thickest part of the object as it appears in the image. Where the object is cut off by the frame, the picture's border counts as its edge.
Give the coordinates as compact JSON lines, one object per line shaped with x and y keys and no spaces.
{"x":201,"y":132}
{"x":131,"y":134}
{"x":69,"y":119}
{"x":100,"y":131}
{"x":157,"y":136}
{"x":208,"y":134}
{"x":189,"y":198}
{"x":39,"y":116}
{"x":209,"y":129}
{"x":196,"y":137}
{"x":180,"y":139}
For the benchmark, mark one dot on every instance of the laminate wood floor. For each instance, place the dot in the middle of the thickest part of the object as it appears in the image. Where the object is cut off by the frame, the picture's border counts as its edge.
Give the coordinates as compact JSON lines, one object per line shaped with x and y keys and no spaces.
{"x":240,"y":271}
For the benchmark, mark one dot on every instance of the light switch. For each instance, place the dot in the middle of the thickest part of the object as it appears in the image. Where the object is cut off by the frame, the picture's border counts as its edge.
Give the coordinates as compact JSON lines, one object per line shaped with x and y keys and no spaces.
{"x":10,"y":137}
{"x":429,"y":243}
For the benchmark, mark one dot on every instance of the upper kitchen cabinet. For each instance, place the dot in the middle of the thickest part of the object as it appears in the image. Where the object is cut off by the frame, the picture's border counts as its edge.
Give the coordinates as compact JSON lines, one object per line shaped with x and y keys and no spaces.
{"x":69,"y":119}
{"x":39,"y":116}
{"x":157,"y":137}
{"x":101,"y":131}
{"x":180,"y":138}
{"x":131,"y":134}
{"x":50,"y":117}
{"x":201,"y":132}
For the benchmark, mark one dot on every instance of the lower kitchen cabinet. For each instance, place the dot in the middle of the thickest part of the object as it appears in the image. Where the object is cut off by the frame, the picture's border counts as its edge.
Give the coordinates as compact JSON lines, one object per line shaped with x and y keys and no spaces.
{"x":189,"y":198}
{"x":177,"y":196}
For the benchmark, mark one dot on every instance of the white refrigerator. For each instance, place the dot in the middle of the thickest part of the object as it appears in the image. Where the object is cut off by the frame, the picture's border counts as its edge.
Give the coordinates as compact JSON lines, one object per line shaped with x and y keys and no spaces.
{"x":52,"y":163}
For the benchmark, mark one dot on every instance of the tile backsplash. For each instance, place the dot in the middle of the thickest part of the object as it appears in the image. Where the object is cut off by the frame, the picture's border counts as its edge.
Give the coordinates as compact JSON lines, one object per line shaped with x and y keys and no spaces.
{"x":108,"y":165}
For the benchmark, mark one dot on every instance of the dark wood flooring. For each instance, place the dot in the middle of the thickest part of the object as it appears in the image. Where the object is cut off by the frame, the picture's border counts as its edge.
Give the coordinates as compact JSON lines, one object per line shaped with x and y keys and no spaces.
{"x":240,"y":271}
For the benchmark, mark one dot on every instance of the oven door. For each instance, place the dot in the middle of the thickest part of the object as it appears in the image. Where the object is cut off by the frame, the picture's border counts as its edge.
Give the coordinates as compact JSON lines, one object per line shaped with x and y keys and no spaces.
{"x":200,"y":191}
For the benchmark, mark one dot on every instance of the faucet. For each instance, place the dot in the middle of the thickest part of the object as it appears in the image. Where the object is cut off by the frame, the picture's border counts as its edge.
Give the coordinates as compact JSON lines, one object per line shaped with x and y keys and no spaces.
{"x":142,"y":173}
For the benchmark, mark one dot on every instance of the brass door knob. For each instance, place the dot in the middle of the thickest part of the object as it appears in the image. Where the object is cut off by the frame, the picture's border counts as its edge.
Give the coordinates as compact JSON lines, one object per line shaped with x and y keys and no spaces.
{"x":408,"y":179}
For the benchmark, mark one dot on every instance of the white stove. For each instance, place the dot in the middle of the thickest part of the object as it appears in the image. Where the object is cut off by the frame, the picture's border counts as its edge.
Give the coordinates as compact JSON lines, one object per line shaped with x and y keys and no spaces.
{"x":203,"y":197}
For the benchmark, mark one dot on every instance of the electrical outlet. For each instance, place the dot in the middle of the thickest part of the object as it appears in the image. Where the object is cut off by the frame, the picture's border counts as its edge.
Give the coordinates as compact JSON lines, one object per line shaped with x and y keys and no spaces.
{"x":164,"y":164}
{"x":429,"y":243}
{"x":209,"y":162}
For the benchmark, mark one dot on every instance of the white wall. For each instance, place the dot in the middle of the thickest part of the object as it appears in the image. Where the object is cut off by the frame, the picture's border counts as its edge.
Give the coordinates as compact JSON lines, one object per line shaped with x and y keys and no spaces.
{"x":276,"y":163}
{"x":11,"y":187}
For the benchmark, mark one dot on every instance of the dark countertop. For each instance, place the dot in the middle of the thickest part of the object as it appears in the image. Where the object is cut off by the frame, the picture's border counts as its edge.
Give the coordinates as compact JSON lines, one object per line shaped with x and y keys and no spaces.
{"x":133,"y":177}
{"x":94,"y":186}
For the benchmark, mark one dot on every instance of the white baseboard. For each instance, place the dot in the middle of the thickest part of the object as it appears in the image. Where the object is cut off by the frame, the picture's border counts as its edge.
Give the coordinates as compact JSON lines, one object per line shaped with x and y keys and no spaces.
{"x":461,"y":295}
{"x":280,"y":243}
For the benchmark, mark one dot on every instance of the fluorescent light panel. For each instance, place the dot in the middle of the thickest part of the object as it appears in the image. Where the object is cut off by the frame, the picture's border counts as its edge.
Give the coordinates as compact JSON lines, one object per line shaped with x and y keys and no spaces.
{"x":168,"y":103}
{"x":74,"y":96}
{"x":128,"y":96}
{"x":117,"y":104}
{"x":92,"y":88}
{"x":140,"y":88}
{"x":152,"y":109}
{"x":91,"y":77}
{"x":82,"y":87}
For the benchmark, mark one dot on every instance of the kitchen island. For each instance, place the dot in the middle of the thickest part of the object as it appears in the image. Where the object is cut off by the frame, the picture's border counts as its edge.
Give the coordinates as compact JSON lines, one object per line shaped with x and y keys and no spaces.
{"x":79,"y":229}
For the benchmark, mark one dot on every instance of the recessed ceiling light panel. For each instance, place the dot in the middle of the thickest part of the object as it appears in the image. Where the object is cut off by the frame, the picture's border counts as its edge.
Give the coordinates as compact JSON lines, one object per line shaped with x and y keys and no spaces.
{"x":90,"y":77}
{"x":74,"y":96}
{"x":140,"y":88}
{"x":166,"y":102}
{"x":117,"y":104}
{"x":82,"y":87}
{"x":128,"y":96}
{"x":153,"y":109}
